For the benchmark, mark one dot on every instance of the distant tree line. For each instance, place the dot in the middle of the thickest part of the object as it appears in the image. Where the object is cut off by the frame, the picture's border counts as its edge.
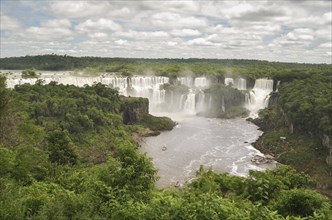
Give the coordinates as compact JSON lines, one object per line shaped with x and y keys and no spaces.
{"x":167,"y":67}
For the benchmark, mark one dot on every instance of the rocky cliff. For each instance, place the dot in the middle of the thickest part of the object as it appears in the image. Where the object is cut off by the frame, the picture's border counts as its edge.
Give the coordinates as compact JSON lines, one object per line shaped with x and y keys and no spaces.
{"x":134,"y":109}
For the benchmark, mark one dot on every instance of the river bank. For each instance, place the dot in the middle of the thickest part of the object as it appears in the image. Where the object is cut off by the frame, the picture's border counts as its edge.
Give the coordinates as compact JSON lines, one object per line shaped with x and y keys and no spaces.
{"x":302,"y":152}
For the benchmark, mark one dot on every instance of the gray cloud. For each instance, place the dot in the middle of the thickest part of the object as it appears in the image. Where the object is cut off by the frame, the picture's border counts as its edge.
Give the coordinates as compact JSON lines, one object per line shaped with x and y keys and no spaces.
{"x":284,"y":31}
{"x":9,"y":24}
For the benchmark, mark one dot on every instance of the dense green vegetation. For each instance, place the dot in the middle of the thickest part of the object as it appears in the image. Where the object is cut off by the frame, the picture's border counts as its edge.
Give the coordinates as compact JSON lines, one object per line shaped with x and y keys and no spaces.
{"x":301,"y":112}
{"x":157,"y":123}
{"x":169,"y":67}
{"x":62,"y":117}
{"x":308,"y":104}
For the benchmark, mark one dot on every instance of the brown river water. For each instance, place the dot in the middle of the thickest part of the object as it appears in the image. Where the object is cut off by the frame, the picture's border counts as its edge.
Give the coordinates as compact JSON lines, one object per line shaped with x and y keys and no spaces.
{"x":223,"y":145}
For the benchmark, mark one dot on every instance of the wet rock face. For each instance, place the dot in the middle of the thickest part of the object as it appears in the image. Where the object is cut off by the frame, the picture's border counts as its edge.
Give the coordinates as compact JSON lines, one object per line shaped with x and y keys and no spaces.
{"x":326,"y":143}
{"x":134,"y":109}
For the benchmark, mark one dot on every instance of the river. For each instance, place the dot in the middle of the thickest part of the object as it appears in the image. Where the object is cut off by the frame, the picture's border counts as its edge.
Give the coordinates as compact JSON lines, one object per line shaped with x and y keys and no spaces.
{"x":223,"y":145}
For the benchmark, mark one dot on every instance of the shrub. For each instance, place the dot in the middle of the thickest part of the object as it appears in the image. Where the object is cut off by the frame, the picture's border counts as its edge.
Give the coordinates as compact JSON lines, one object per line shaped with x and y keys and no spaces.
{"x":29,"y":73}
{"x":300,"y":202}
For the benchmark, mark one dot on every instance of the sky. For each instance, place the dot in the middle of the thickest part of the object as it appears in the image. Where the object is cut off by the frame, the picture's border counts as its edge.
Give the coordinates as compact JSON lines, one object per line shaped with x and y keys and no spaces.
{"x":285,"y":30}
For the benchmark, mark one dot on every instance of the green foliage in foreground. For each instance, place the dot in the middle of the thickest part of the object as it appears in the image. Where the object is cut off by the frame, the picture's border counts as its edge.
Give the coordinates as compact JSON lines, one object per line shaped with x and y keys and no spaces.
{"x":107,"y":192}
{"x":69,"y":156}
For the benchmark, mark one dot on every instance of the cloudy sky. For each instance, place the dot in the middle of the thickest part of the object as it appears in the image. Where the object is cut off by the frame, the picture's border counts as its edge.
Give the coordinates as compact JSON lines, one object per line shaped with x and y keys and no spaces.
{"x":291,"y":31}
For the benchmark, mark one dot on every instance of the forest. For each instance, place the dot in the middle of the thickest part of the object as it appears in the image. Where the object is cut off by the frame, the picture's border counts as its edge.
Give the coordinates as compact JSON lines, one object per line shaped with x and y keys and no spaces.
{"x":165,"y":67}
{"x":71,"y":153}
{"x":301,"y":112}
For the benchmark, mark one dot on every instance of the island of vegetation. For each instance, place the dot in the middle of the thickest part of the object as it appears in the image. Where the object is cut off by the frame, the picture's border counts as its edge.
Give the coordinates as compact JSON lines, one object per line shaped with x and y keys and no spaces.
{"x":71,"y":153}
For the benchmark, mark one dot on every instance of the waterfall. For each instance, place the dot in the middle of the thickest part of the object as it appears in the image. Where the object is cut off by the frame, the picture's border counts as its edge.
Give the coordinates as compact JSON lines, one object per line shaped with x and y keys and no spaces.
{"x":247,"y":99}
{"x":266,"y":101}
{"x":181,"y":103}
{"x":189,"y":104}
{"x":151,"y":87}
{"x":264,"y":84}
{"x":118,"y":83}
{"x":229,"y":81}
{"x":201,"y":82}
{"x":200,"y":106}
{"x":13,"y":82}
{"x":210,"y":102}
{"x":187,"y":81}
{"x":259,"y":96}
{"x":198,"y":82}
{"x":278,"y":83}
{"x":136,"y":86}
{"x":172,"y":98}
{"x":223,"y":103}
{"x":238,"y":83}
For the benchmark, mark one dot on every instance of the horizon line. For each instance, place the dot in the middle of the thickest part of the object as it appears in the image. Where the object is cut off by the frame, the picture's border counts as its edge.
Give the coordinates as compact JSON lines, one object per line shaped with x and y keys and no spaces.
{"x":165,"y":58}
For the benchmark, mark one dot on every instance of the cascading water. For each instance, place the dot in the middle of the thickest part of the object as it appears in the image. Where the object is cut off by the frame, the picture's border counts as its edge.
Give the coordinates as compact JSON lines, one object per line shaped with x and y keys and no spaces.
{"x":136,"y":86}
{"x":200,"y":106}
{"x":223,"y":104}
{"x":187,"y":81}
{"x":201,"y":82}
{"x":172,"y":98}
{"x":151,"y":87}
{"x":238,"y":83}
{"x":229,"y":81}
{"x":198,"y":82}
{"x":118,"y":83}
{"x":183,"y":98}
{"x":278,"y":83}
{"x":210,"y":103}
{"x":189,"y":104}
{"x":258,"y":96}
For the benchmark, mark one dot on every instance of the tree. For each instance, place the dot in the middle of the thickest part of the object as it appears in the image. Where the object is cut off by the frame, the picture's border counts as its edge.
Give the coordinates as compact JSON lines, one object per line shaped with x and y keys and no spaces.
{"x":301,"y":202}
{"x":30,"y":164}
{"x":61,"y":148}
{"x":29,"y":73}
{"x":4,"y":101}
{"x":4,"y":94}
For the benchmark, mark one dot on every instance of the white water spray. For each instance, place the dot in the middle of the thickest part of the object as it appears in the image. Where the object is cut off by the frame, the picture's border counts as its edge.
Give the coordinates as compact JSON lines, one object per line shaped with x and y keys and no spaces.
{"x":259,"y":96}
{"x":151,"y":87}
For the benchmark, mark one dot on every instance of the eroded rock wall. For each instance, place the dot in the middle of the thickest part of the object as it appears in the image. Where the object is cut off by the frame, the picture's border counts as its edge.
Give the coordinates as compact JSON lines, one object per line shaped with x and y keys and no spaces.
{"x":133,"y":109}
